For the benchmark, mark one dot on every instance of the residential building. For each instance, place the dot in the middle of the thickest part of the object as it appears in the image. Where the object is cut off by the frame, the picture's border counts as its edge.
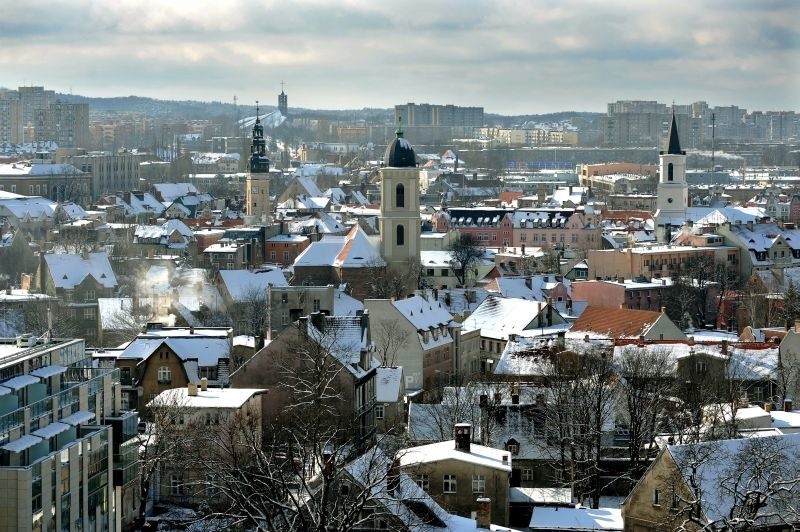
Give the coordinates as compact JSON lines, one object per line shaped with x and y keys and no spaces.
{"x":11,"y":125}
{"x":246,"y":296}
{"x":172,"y":238}
{"x":340,"y":349}
{"x":457,"y":472}
{"x":424,"y":114}
{"x":699,"y":484}
{"x":162,"y":358}
{"x":110,"y":171}
{"x":224,"y":255}
{"x":40,"y":177}
{"x":639,"y":294}
{"x":414,"y":333}
{"x":611,"y":324}
{"x":390,"y":400}
{"x":655,"y":261}
{"x":555,"y":229}
{"x":284,"y":249}
{"x":67,"y":448}
{"x":287,"y":304}
{"x":212,"y":413}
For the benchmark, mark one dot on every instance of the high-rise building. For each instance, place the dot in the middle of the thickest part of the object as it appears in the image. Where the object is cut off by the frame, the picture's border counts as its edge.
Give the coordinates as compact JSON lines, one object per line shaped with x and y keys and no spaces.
{"x":257,"y":193}
{"x":425,"y":114}
{"x":68,"y":452}
{"x":399,"y":217}
{"x":67,"y":124}
{"x":33,"y":99}
{"x":673,"y":191}
{"x":10,"y":121}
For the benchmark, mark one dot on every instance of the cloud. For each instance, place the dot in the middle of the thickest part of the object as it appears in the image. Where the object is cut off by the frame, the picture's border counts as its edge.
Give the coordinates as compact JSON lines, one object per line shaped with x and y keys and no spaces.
{"x":506,"y":55}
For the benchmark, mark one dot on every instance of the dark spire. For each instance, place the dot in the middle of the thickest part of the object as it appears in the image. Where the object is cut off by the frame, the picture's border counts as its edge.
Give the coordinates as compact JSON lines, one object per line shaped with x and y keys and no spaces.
{"x":259,"y":162}
{"x":673,"y":144}
{"x":400,"y":154}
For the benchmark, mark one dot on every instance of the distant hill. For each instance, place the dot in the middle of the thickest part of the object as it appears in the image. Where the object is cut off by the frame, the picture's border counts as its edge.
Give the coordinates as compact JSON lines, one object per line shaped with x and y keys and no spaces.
{"x":190,"y":109}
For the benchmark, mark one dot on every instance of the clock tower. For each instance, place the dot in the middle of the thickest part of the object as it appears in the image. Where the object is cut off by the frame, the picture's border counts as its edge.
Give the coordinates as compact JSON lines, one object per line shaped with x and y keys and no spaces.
{"x":673,"y":191}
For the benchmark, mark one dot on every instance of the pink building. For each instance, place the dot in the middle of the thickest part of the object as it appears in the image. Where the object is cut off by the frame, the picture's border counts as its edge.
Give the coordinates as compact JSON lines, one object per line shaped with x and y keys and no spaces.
{"x":555,"y":228}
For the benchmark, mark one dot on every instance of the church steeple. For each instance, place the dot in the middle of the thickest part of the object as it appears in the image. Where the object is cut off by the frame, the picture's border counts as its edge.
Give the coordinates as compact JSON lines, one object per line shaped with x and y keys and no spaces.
{"x":673,"y":144}
{"x":259,"y":162}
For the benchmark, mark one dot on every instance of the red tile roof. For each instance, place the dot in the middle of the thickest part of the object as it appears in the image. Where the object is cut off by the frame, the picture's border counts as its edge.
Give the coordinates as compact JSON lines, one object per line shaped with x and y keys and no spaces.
{"x":615,"y":323}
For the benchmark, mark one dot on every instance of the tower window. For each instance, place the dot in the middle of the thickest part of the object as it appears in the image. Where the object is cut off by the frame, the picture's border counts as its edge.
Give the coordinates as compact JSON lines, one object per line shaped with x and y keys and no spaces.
{"x":401,"y":235}
{"x":400,"y":195}
{"x":670,"y":176}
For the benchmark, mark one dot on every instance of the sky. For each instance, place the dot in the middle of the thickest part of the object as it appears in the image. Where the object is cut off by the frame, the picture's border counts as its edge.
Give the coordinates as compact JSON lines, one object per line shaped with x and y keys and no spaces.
{"x":508,"y":56}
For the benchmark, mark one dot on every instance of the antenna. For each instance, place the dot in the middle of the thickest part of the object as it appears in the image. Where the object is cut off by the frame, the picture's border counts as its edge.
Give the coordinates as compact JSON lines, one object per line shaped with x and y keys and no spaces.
{"x":281,"y":86}
{"x":713,"y":132}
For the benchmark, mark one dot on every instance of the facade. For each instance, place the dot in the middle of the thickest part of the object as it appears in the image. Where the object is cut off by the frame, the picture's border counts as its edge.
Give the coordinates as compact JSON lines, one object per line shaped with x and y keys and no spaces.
{"x":613,"y":324}
{"x":337,"y":349}
{"x":67,"y":449}
{"x":425,"y":114}
{"x":109,"y":172}
{"x":636,"y":294}
{"x":257,"y":191}
{"x":202,"y":411}
{"x":555,"y":229}
{"x":457,"y":472}
{"x":10,"y":121}
{"x":39,"y":177}
{"x":284,"y":249}
{"x":287,"y":304}
{"x":673,"y":191}
{"x":654,"y":261}
{"x":414,"y":333}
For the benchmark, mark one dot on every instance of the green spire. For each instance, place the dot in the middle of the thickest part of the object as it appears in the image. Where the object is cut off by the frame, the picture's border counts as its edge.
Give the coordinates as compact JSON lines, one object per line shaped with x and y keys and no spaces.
{"x":399,"y":130}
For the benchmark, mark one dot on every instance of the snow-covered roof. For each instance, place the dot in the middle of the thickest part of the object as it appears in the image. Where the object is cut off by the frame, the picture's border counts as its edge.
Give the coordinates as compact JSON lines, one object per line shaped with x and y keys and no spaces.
{"x":423,"y":314}
{"x":387,"y":384}
{"x":244,"y":285}
{"x":208,"y":351}
{"x":228,"y":398}
{"x":345,"y":305}
{"x":725,"y":461}
{"x":446,"y":450}
{"x":344,"y":337}
{"x":68,"y":270}
{"x":578,"y":518}
{"x":113,"y":311}
{"x":171,"y":191}
{"x":498,"y":317}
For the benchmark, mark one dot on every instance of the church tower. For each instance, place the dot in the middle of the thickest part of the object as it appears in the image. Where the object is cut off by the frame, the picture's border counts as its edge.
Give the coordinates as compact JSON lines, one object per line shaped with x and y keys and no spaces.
{"x":283,"y":102}
{"x":257,"y":194}
{"x":399,"y":220}
{"x":673,"y":191}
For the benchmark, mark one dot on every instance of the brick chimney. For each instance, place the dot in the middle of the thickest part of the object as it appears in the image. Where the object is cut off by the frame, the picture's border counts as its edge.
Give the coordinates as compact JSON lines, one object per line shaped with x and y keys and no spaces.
{"x":483,"y":513}
{"x":787,"y":405}
{"x":204,"y":384}
{"x":463,"y":435}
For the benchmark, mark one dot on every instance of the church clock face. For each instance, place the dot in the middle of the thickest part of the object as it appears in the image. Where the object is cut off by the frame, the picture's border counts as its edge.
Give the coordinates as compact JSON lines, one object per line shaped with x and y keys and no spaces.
{"x":669,"y":200}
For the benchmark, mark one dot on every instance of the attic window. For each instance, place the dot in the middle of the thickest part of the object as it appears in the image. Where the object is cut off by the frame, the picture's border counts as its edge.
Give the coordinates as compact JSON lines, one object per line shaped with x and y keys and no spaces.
{"x":103,"y":276}
{"x":65,"y":276}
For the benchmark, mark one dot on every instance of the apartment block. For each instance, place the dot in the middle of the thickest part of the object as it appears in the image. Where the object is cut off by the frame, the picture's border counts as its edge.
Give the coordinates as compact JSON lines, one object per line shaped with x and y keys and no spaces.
{"x":67,"y":458}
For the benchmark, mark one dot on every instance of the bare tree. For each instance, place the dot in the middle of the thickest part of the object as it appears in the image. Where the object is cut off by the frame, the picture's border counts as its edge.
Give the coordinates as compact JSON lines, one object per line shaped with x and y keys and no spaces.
{"x":464,"y":255}
{"x":390,"y":339}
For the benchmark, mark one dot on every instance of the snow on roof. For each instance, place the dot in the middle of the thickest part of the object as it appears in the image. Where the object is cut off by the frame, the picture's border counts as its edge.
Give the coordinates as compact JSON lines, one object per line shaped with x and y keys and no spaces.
{"x":310,"y":186}
{"x":498,"y":317}
{"x":446,"y":450}
{"x":344,"y":338}
{"x":421,"y":313}
{"x":34,"y":207}
{"x":68,"y":270}
{"x":785,"y":420}
{"x":244,"y":340}
{"x":245,"y":285}
{"x":172,"y":191}
{"x":230,"y":398}
{"x":579,"y":518}
{"x":387,"y":384}
{"x":358,"y":251}
{"x":346,"y":305}
{"x":207,"y":350}
{"x":723,"y":461}
{"x":407,"y":501}
{"x":321,"y":253}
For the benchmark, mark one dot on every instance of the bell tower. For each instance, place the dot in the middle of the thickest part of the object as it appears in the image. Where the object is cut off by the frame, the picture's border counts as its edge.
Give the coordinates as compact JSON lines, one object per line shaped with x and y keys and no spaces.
{"x":257,"y":194}
{"x":399,"y":218}
{"x":673,"y":190}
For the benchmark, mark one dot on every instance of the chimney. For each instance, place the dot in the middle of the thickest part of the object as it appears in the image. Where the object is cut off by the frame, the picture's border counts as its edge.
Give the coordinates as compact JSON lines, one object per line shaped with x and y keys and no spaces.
{"x":797,"y":326}
{"x":191,"y":329}
{"x":549,"y":311}
{"x":393,"y":476}
{"x":663,"y":310}
{"x":484,"y":400}
{"x":724,"y":347}
{"x":515,"y":398}
{"x":787,"y":405}
{"x":204,"y":384}
{"x":365,"y":360}
{"x":767,"y":407}
{"x":317,"y":319}
{"x":561,"y":340}
{"x":497,"y":398}
{"x":192,"y":390}
{"x":463,"y":433}
{"x":483,"y":514}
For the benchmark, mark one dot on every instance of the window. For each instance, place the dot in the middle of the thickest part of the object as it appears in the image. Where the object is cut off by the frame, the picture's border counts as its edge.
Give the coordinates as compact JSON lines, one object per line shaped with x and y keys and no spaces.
{"x":430,"y":272}
{"x":656,"y":497}
{"x":89,"y":313}
{"x":164,"y":375}
{"x":701,"y":366}
{"x":444,"y":272}
{"x":175,"y":485}
{"x":285,"y":255}
{"x":399,"y":196}
{"x":670,"y":170}
{"x":449,"y":484}
{"x":379,"y":412}
{"x":284,"y":297}
{"x":527,"y":474}
{"x":513,"y":448}
{"x":284,"y":318}
{"x":478,"y":484}
{"x":523,"y":237}
{"x":273,"y":255}
{"x":401,"y":235}
{"x":315,"y":305}
{"x":423,"y":481}
{"x":90,"y":295}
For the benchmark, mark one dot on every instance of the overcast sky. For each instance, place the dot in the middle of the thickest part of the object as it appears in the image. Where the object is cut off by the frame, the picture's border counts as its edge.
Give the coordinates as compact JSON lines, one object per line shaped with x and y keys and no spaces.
{"x":508,"y":56}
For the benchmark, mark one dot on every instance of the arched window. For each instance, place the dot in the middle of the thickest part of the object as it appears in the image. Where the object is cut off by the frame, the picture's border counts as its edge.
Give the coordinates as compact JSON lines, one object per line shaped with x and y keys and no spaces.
{"x":164,"y":375}
{"x":400,"y":195}
{"x":401,"y":235}
{"x":669,"y":172}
